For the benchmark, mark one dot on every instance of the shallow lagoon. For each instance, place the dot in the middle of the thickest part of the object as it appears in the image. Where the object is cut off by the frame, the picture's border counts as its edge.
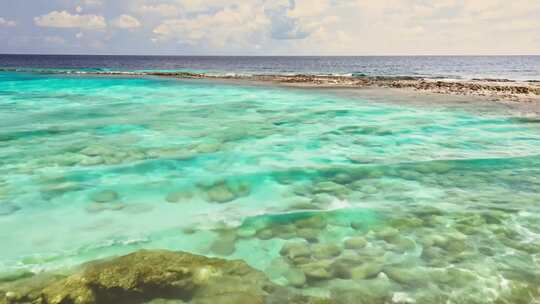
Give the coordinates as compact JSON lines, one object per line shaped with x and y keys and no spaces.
{"x":329,"y":194}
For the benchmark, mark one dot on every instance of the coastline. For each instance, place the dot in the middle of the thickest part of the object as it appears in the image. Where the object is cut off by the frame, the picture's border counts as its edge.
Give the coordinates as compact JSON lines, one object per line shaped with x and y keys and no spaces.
{"x":491,"y":89}
{"x":521,"y":95}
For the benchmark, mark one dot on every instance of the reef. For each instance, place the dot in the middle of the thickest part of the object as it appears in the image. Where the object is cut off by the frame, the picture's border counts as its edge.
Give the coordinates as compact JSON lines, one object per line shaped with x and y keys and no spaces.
{"x":152,"y":277}
{"x":492,"y":88}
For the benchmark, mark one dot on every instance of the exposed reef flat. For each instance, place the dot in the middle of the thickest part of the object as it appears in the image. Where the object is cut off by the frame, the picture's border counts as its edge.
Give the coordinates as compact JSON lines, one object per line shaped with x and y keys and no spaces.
{"x":492,"y":88}
{"x":152,"y":277}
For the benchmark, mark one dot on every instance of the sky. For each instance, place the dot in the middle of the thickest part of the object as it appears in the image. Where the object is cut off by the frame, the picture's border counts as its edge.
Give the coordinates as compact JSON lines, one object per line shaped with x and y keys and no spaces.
{"x":270,"y":27}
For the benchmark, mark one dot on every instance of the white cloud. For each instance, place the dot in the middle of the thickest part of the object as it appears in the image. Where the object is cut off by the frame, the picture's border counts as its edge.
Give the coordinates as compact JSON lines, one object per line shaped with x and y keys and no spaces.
{"x":64,"y":19}
{"x":233,"y":25}
{"x":351,"y":27}
{"x":309,"y":8}
{"x":126,"y":22}
{"x":7,"y":23}
{"x":240,"y":23}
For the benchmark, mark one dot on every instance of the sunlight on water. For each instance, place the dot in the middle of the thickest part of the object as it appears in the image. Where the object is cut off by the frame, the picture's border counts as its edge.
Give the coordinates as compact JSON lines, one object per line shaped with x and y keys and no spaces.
{"x":325,"y":193}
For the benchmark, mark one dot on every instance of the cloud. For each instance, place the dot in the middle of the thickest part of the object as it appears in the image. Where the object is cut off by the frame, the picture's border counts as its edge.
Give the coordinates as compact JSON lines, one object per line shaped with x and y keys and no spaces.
{"x":126,"y":22}
{"x":233,"y":25}
{"x":64,"y":19}
{"x":7,"y":23}
{"x":308,"y":8}
{"x":297,"y":19}
{"x":236,"y":23}
{"x":283,"y":26}
{"x":335,"y":27}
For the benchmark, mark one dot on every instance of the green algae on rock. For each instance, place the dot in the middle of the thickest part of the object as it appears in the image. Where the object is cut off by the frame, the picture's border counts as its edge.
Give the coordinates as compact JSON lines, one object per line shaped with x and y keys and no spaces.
{"x":152,"y":277}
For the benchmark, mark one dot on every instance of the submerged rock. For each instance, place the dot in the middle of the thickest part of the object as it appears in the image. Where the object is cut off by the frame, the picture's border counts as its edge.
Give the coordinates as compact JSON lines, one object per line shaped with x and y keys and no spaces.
{"x":387,"y":233}
{"x":15,"y":275}
{"x":58,"y":189}
{"x":225,"y":243}
{"x":8,"y":209}
{"x":295,"y":250}
{"x":224,"y":247}
{"x":227,"y":191}
{"x":220,"y":193}
{"x":326,"y":251}
{"x":295,"y":277}
{"x":277,"y":268}
{"x":317,"y":271}
{"x":246,"y":232}
{"x":178,"y":196}
{"x":367,"y":270}
{"x":329,"y":187}
{"x":96,"y":151}
{"x":310,"y":235}
{"x":358,"y":225}
{"x":91,"y":161}
{"x":343,"y":178}
{"x":165,"y":301}
{"x":355,"y":243}
{"x":104,"y":196}
{"x":153,"y":277}
{"x":315,"y":222}
{"x":373,"y":291}
{"x":403,"y":244}
{"x":284,"y":231}
{"x":412,"y":276}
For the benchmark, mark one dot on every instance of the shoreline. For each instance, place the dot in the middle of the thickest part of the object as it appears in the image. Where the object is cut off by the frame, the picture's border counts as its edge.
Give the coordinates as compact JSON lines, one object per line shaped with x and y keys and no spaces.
{"x":523,"y":96}
{"x":500,"y":90}
{"x":493,"y":89}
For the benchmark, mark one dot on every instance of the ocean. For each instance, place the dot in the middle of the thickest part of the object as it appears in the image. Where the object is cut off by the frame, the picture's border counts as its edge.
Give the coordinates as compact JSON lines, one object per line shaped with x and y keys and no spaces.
{"x":453,"y":67}
{"x":401,"y":198}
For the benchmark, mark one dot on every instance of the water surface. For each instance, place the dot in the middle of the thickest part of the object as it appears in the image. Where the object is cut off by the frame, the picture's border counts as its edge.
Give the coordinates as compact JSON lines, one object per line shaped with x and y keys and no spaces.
{"x":453,"y":67}
{"x":324,"y":192}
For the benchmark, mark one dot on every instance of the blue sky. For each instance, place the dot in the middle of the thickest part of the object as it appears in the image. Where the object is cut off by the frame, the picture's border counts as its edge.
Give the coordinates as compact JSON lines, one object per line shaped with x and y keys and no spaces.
{"x":265,"y":27}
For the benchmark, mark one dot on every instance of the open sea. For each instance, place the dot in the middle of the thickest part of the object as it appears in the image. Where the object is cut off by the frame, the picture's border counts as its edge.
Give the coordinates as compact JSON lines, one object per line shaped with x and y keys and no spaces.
{"x":405,"y":199}
{"x":453,"y":67}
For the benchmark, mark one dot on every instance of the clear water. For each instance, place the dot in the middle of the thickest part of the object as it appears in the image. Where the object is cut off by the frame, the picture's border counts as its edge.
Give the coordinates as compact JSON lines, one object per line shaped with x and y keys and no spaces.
{"x":454,"y":67}
{"x":445,"y":196}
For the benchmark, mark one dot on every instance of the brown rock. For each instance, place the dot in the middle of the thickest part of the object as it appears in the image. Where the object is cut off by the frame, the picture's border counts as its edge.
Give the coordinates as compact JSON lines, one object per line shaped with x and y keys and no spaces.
{"x":143,"y":276}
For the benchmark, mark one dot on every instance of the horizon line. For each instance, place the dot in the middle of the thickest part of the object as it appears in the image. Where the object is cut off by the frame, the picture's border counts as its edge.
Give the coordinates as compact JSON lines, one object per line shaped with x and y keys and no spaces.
{"x":238,"y":55}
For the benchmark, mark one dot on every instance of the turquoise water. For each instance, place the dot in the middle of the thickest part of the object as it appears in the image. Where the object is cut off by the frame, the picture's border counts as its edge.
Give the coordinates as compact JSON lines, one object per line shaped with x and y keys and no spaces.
{"x":323,"y":191}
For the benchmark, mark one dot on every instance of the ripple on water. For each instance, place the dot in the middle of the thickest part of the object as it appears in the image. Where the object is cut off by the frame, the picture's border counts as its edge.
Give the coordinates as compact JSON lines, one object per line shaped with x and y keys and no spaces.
{"x":331,"y":196}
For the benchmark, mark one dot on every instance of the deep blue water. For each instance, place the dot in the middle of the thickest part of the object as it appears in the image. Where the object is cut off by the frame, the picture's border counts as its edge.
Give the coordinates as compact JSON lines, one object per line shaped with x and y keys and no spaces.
{"x":510,"y":67}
